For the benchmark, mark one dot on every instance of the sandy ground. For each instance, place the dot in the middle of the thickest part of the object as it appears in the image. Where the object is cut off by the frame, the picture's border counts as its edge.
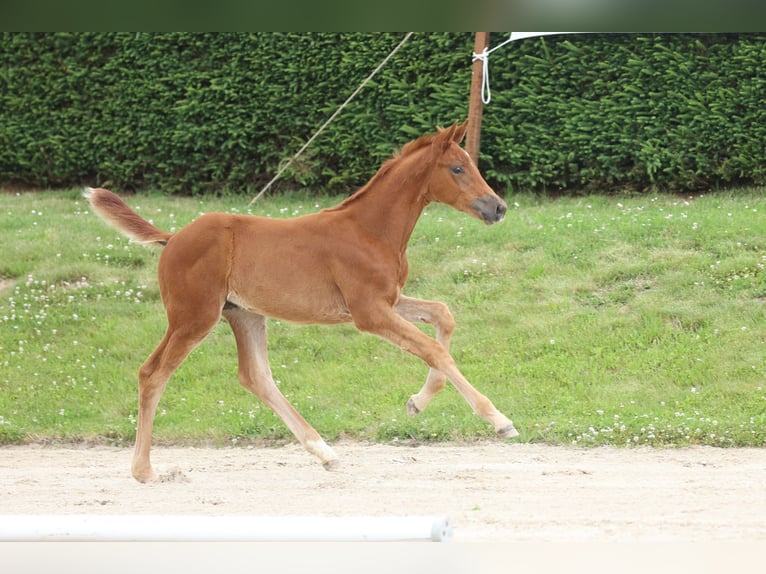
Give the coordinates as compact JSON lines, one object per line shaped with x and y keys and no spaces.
{"x":492,"y":491}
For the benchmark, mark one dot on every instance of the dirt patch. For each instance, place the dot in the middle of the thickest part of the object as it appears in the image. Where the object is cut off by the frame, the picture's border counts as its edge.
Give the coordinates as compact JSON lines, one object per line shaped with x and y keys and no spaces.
{"x":490,"y":491}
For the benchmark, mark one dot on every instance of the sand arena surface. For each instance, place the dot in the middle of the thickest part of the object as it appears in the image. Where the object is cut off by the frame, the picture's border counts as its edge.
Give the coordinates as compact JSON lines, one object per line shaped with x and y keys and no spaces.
{"x":491,"y":491}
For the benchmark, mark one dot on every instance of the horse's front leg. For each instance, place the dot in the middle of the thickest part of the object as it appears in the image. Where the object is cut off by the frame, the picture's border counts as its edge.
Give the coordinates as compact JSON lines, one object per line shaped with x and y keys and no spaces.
{"x":438,"y":315}
{"x":383,"y":321}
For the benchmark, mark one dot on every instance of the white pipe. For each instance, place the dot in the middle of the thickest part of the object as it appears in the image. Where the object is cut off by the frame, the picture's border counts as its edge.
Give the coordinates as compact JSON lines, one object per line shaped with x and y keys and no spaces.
{"x":134,"y":528}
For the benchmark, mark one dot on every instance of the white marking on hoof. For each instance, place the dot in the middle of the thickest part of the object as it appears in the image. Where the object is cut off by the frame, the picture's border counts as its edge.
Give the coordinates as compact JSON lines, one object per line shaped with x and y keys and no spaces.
{"x":322,"y":451}
{"x":508,"y":432}
{"x":331,"y":464}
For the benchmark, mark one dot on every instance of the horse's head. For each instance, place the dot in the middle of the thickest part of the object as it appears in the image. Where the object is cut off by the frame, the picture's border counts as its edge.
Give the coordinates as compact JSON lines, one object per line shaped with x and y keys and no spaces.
{"x":456,"y":181}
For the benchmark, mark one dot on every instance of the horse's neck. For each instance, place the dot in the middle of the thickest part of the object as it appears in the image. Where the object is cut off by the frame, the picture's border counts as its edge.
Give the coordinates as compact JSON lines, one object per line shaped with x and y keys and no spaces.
{"x":389,"y":206}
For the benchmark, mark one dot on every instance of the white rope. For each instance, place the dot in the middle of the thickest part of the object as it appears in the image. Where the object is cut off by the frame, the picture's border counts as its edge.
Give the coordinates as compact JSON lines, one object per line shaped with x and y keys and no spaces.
{"x":331,"y":118}
{"x":486,"y":93}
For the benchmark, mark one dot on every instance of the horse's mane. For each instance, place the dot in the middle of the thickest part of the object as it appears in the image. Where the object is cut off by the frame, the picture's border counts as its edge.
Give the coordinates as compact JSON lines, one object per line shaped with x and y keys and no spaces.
{"x":407,"y":150}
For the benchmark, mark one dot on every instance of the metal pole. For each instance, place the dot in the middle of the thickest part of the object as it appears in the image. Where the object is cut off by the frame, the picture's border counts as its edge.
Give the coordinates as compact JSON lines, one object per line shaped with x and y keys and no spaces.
{"x":172,"y":528}
{"x":475,"y":106}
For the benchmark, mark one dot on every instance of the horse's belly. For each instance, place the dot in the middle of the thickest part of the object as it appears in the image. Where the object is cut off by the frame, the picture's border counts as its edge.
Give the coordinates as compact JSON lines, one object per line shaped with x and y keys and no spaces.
{"x":299,"y":304}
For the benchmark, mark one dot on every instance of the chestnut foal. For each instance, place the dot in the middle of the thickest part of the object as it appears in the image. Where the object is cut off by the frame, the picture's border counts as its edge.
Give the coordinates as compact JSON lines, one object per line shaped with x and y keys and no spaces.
{"x":342,"y":264}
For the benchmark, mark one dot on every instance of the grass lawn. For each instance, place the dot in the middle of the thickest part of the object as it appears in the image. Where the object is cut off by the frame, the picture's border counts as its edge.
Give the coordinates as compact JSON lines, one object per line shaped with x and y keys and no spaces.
{"x":592,"y":320}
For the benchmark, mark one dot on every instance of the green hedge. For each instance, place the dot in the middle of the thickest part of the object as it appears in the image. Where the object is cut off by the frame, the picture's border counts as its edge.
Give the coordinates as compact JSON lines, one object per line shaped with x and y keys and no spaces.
{"x":678,"y":112}
{"x":198,"y":113}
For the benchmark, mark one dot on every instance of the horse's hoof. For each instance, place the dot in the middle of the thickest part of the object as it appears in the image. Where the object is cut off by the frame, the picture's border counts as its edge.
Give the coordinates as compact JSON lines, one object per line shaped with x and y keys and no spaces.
{"x":333,"y":464}
{"x":412,"y":410}
{"x":508,"y":432}
{"x":146,"y":477}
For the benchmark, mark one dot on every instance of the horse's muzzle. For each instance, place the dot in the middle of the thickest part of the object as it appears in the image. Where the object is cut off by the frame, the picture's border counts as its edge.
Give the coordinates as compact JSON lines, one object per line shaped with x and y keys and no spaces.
{"x":490,"y":208}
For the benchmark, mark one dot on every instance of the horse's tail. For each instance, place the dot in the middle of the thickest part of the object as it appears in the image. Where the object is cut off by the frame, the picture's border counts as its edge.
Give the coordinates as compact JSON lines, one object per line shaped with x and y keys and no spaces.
{"x":119,"y":215}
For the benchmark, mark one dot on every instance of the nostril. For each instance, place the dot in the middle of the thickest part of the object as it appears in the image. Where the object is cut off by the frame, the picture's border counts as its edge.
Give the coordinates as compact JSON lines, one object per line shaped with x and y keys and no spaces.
{"x":489,"y":208}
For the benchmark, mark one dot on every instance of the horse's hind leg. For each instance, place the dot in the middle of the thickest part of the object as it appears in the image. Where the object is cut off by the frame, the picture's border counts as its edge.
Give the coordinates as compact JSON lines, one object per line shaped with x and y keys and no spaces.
{"x":153,"y":376}
{"x":255,"y":375}
{"x":438,"y":315}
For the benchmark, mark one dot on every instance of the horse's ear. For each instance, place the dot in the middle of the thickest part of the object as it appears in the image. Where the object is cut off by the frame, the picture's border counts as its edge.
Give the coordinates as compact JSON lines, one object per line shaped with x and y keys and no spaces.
{"x":446,"y":136}
{"x":460,"y":131}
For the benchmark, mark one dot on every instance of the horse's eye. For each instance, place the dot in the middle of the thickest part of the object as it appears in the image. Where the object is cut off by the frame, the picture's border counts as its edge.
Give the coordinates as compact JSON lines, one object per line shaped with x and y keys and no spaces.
{"x":457,"y":170}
